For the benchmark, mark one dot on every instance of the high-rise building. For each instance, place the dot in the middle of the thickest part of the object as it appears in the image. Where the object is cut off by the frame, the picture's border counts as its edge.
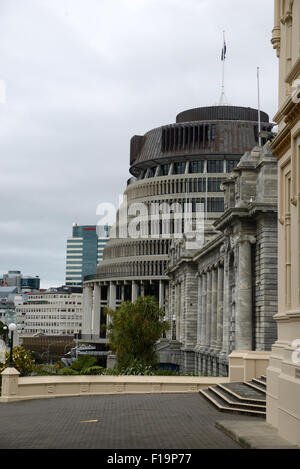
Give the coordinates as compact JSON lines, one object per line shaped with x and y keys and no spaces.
{"x":84,"y":252}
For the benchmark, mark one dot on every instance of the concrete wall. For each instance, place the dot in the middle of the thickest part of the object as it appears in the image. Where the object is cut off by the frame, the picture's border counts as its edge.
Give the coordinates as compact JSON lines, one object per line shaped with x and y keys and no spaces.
{"x":15,"y":388}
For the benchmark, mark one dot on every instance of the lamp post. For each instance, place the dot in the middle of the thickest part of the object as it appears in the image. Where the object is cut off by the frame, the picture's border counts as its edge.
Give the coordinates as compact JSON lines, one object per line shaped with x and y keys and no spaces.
{"x":5,"y":328}
{"x":76,"y":333}
{"x":174,"y":327}
{"x":12,"y":327}
{"x":164,"y":332}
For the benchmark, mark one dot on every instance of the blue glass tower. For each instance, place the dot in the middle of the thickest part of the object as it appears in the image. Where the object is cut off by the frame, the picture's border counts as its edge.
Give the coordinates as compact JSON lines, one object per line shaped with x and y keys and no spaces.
{"x":84,"y":251}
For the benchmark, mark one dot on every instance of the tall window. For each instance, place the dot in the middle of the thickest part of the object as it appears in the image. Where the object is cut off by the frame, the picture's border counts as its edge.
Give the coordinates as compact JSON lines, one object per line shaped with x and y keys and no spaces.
{"x":197,"y":167}
{"x":164,"y":169}
{"x":230,"y":164}
{"x":151,"y":172}
{"x":214,"y":184}
{"x":179,"y":168}
{"x":215,"y":166}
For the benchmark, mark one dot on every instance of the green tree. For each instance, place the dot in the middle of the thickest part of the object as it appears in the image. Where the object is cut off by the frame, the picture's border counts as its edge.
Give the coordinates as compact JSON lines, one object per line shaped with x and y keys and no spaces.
{"x":22,"y":361}
{"x":134,"y":330}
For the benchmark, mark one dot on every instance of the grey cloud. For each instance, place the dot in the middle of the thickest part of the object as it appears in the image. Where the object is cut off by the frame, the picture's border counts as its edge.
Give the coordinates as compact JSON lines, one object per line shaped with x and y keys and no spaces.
{"x":82,"y":77}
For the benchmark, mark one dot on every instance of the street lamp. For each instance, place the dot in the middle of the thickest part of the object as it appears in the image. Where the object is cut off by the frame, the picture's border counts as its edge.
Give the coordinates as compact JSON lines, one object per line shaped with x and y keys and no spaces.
{"x":5,"y":328}
{"x":174,"y":327}
{"x":12,"y":327}
{"x":76,"y":333}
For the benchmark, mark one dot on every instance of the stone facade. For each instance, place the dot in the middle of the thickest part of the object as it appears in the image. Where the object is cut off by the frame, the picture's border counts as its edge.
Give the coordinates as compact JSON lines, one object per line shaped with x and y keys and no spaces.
{"x":223,"y":296}
{"x":184,"y":162}
{"x":283,"y":374}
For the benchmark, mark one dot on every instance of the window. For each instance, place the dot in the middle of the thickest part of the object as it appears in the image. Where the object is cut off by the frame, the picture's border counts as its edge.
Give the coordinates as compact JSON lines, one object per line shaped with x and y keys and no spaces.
{"x":215,"y":204}
{"x":151,"y":172}
{"x":179,"y":168}
{"x":197,"y":167}
{"x":230,"y":164}
{"x":215,"y":166}
{"x":165,"y":169}
{"x":214,"y":184}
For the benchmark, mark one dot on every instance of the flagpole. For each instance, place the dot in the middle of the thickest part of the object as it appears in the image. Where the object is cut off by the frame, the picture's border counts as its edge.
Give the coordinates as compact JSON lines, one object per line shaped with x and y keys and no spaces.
{"x":223,"y":67}
{"x":258,"y":99}
{"x":223,"y":99}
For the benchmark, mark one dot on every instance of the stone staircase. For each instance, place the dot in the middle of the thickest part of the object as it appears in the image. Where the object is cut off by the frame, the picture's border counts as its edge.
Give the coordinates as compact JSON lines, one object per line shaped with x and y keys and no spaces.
{"x":248,"y":398}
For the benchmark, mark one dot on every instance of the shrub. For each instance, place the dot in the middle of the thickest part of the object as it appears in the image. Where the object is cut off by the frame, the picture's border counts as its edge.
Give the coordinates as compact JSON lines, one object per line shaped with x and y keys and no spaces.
{"x":137,"y":367}
{"x":22,"y":361}
{"x":92,"y":370}
{"x":67,"y":370}
{"x":83,"y":362}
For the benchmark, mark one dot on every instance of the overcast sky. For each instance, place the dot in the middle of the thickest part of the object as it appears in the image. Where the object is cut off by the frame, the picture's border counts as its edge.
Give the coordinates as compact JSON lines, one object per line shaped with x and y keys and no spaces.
{"x":82,"y":77}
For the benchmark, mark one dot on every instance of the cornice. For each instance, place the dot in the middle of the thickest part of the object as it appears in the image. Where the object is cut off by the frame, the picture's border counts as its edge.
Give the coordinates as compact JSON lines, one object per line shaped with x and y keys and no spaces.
{"x":294,"y":72}
{"x":290,"y":112}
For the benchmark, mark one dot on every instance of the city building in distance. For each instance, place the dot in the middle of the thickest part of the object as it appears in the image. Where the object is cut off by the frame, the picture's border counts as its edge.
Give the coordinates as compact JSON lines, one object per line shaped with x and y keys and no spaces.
{"x":84,"y":251}
{"x":54,"y":311}
{"x":14,"y":278}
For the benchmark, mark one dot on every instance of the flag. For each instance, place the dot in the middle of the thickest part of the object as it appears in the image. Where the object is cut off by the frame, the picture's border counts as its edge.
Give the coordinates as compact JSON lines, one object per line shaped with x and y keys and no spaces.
{"x":223,"y":56}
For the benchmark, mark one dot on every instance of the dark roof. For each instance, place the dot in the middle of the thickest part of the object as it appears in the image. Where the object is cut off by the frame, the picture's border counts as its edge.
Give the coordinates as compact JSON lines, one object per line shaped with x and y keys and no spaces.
{"x":221,"y":113}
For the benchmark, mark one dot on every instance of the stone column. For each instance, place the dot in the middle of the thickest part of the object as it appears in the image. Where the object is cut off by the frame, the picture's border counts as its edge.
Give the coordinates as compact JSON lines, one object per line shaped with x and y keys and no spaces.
{"x":87,"y":309}
{"x":134,"y":291}
{"x":199,"y":315}
{"x":161,"y":294}
{"x":96,"y":316}
{"x":214,"y":297}
{"x":220,"y":305}
{"x":208,"y":310}
{"x":182,"y":312}
{"x":203,"y":310}
{"x":226,"y":306}
{"x":112,"y":295}
{"x":111,"y":299}
{"x":243,"y":322}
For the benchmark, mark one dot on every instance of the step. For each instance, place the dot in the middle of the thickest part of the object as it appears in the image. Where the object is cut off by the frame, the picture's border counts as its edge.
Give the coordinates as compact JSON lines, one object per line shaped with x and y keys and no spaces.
{"x":263,"y":378}
{"x":217,"y":402}
{"x":244,"y":393}
{"x":235,"y":402}
{"x":256,"y":386}
{"x":260,"y":382}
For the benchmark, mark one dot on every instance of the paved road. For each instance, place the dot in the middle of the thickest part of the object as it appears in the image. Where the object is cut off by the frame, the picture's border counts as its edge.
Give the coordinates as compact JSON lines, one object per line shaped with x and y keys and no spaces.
{"x":143,"y":421}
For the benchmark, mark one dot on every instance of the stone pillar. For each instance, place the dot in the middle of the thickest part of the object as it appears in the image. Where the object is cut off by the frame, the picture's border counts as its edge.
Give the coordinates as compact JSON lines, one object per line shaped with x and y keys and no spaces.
{"x":96,"y":316}
{"x":208,"y":310}
{"x":134,"y":291}
{"x":220,"y":305}
{"x":112,"y":303}
{"x":226,"y":306}
{"x":10,"y":381}
{"x":161,"y":294}
{"x":112,"y":295}
{"x":199,"y":315}
{"x":243,"y":322}
{"x":203,"y":310}
{"x":214,"y":297}
{"x":87,"y":309}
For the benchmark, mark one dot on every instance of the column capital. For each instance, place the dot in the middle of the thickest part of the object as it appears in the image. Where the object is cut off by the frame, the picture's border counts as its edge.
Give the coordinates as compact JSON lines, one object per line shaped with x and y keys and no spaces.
{"x":246,"y":239}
